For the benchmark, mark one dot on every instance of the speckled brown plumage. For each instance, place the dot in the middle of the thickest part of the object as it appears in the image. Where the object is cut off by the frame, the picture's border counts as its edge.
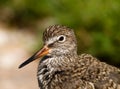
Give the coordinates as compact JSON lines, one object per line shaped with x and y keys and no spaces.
{"x":62,"y":68}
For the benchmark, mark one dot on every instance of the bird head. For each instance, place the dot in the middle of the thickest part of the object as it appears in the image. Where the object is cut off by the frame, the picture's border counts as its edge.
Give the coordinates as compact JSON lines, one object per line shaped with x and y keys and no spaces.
{"x":58,"y":41}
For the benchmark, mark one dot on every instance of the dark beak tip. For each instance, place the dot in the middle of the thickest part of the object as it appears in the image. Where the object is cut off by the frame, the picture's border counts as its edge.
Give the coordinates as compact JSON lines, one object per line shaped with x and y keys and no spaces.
{"x":20,"y":67}
{"x":27,"y":61}
{"x":32,"y":58}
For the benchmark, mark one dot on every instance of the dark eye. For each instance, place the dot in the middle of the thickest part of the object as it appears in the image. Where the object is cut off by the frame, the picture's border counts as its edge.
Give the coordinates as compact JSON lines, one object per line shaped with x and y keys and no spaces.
{"x":61,"y":38}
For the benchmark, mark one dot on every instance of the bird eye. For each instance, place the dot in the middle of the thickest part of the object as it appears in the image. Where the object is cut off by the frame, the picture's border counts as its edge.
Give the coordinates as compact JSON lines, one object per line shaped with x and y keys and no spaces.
{"x":61,"y":38}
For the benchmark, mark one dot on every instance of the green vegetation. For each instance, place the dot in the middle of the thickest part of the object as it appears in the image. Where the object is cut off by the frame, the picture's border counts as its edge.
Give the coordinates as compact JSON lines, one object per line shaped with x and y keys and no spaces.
{"x":96,"y":22}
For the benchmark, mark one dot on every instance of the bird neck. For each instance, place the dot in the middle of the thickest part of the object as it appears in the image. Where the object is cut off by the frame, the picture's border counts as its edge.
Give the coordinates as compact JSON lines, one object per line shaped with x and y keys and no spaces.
{"x":62,"y":61}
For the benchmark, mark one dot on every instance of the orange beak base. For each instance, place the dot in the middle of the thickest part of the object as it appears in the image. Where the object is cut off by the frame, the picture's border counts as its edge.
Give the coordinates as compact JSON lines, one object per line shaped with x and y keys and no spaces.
{"x":40,"y":53}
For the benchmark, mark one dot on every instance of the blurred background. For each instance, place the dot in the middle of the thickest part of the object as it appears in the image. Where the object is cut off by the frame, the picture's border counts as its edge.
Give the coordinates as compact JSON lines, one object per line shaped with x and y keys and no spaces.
{"x":95,"y":22}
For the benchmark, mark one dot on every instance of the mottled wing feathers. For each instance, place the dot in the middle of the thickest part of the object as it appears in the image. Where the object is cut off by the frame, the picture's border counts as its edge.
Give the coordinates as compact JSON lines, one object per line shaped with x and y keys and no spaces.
{"x":102,"y":75}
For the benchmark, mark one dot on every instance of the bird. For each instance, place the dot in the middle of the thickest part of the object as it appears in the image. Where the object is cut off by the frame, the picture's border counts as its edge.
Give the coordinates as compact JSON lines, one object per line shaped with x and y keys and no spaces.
{"x":61,"y":67}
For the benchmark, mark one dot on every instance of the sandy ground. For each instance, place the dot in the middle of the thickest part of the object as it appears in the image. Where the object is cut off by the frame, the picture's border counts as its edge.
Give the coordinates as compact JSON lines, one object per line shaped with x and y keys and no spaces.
{"x":14,"y":49}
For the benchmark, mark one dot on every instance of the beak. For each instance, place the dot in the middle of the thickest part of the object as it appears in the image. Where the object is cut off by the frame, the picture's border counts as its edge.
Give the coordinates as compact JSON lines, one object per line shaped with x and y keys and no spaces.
{"x":38,"y":54}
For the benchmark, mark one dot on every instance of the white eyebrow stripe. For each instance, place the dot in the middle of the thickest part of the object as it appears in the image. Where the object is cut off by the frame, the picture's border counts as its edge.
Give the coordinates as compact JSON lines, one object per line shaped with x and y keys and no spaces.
{"x":51,"y":40}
